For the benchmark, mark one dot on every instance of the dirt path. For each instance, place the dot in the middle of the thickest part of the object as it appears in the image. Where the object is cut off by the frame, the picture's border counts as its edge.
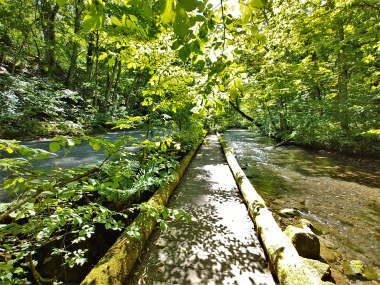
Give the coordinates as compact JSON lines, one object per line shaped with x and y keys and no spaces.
{"x":220,"y":246}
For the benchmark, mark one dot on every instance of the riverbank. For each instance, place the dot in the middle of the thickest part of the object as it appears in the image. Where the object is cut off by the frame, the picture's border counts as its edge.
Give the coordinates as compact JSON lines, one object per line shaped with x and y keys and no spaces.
{"x":350,"y":151}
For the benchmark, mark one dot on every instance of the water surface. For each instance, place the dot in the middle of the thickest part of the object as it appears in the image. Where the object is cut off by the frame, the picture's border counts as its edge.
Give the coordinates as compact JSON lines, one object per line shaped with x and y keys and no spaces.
{"x":340,"y":193}
{"x":80,"y":155}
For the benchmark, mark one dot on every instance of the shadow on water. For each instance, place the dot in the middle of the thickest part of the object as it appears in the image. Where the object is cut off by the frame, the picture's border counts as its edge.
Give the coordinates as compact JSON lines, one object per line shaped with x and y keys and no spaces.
{"x":339,"y":192}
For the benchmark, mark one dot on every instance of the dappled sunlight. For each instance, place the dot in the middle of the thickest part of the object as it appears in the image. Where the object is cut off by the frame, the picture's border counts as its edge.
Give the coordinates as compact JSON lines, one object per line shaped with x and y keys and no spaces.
{"x":219,"y":245}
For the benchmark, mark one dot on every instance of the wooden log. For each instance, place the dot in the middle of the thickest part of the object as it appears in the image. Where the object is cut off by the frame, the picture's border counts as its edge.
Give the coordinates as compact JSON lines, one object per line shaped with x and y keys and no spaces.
{"x":115,"y":266}
{"x":287,"y":264}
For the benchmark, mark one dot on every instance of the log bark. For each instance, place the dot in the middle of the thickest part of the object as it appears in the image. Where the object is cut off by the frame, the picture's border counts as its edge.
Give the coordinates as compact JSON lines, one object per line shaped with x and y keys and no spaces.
{"x":117,"y":263}
{"x":288,"y":266}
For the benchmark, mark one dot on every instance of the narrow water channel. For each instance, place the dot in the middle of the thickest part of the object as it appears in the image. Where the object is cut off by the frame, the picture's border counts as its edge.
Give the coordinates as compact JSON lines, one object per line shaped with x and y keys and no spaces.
{"x":339,"y":193}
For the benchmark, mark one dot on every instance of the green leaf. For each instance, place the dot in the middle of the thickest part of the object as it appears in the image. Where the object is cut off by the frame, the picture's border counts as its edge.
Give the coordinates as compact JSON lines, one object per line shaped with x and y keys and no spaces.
{"x":163,"y":226}
{"x":257,"y":3}
{"x":116,"y":21}
{"x":9,"y":150}
{"x":133,"y":18}
{"x":103,"y":56}
{"x":189,"y":5}
{"x":95,"y":146}
{"x":61,"y":2}
{"x":11,"y":182}
{"x":184,"y":52}
{"x":5,"y":266}
{"x":168,"y":14}
{"x":54,"y":147}
{"x":176,"y":44}
{"x":181,"y":24}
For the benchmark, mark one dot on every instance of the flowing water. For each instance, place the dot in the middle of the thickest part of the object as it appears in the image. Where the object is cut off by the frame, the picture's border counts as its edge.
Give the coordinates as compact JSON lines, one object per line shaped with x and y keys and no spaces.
{"x":339,"y":193}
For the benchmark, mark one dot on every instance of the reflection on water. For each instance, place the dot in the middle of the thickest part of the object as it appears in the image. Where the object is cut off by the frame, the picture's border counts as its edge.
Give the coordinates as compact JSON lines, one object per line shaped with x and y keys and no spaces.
{"x":338,"y":192}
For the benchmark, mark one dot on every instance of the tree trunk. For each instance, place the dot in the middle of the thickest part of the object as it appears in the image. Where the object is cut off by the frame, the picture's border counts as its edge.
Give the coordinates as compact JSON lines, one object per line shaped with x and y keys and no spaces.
{"x":90,"y":52}
{"x":343,"y":79}
{"x":48,"y":15}
{"x":75,"y":44}
{"x":18,"y":54}
{"x":110,"y":84}
{"x":316,"y":92}
{"x":236,"y":107}
{"x":115,"y":98}
{"x":95,"y":75}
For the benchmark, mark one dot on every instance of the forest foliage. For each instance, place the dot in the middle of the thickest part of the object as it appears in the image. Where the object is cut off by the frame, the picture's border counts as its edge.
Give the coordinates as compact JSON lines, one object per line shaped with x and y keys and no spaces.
{"x":301,"y":71}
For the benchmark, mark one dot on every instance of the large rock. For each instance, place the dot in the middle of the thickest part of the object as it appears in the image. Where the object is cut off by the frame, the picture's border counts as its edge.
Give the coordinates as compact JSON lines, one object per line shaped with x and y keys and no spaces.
{"x":305,"y":241}
{"x":322,"y":270}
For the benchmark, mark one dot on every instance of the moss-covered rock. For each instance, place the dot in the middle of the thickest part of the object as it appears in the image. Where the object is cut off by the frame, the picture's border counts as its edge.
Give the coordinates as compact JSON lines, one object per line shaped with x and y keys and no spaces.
{"x":353,"y":267}
{"x":305,"y":241}
{"x":321,"y":269}
{"x":358,"y":268}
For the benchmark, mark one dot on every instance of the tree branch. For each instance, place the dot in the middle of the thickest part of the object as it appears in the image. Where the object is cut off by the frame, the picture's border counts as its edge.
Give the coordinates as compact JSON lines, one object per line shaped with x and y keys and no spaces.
{"x":224,"y":25}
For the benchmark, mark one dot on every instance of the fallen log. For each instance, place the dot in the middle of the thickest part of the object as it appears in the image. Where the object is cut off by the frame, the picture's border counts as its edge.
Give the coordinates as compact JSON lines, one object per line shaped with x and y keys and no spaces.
{"x":288,"y":266}
{"x":115,"y":266}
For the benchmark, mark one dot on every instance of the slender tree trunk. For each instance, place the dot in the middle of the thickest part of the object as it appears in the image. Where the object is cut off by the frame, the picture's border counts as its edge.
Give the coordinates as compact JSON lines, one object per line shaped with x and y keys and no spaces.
{"x":270,"y":116}
{"x":75,"y":44}
{"x":95,"y":75}
{"x":110,"y":84}
{"x":36,"y":44}
{"x":48,"y":14}
{"x":5,"y":41}
{"x":115,"y":99}
{"x":90,"y":53}
{"x":282,"y":116}
{"x":343,"y":79}
{"x":316,"y":92}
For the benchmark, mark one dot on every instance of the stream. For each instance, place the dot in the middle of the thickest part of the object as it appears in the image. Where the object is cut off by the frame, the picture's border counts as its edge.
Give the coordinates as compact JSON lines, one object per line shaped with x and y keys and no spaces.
{"x":338,"y":193}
